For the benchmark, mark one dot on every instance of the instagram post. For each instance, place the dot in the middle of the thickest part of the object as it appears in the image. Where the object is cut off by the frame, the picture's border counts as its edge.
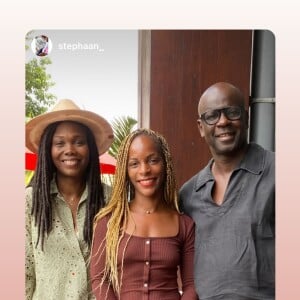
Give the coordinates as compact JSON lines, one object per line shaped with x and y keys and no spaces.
{"x":150,"y":164}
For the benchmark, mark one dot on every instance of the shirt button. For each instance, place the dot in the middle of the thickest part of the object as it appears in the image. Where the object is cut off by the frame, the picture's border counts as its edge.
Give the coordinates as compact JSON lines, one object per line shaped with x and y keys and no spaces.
{"x":147,"y":263}
{"x":145,"y":285}
{"x":147,"y":242}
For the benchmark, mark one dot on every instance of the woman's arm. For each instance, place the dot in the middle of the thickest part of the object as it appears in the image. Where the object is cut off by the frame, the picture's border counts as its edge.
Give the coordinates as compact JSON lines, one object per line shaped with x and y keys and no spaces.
{"x":101,"y":291}
{"x":187,"y":263}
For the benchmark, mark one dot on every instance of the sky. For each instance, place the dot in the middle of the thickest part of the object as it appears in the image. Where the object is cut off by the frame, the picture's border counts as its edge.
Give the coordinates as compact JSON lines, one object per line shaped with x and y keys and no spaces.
{"x":98,"y":69}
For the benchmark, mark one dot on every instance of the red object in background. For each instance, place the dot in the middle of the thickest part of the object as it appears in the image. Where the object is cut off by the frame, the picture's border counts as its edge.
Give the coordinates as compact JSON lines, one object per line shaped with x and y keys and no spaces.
{"x":107,"y":163}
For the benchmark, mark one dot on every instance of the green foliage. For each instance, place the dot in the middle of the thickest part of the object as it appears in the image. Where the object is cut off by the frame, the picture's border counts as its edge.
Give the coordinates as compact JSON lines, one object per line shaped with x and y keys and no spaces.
{"x":121,"y":126}
{"x":28,"y":39}
{"x":28,"y":176}
{"x":37,"y":84}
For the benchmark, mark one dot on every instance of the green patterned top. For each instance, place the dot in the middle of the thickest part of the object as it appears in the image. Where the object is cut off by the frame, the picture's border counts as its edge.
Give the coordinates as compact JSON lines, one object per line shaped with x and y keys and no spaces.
{"x":60,"y":271}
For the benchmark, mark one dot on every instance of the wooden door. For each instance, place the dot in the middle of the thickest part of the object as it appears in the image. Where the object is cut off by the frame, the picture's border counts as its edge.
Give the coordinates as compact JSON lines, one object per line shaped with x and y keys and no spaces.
{"x":175,"y":67}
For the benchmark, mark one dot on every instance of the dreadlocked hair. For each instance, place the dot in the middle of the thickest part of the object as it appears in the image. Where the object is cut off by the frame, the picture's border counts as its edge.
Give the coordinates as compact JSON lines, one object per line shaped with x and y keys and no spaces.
{"x":44,"y":174}
{"x":122,"y":193}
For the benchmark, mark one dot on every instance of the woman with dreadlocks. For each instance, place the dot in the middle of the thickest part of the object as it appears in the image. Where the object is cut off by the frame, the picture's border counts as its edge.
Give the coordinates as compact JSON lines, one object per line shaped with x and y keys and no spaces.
{"x":140,"y":238}
{"x":62,"y":200}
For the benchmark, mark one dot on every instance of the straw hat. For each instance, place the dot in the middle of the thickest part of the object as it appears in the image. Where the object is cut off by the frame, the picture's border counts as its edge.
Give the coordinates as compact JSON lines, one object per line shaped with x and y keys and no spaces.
{"x":67,"y":110}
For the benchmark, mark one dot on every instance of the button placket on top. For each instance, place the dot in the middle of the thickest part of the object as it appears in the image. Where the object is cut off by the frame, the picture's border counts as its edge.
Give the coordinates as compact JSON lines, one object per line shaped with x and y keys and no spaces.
{"x":146,"y":275}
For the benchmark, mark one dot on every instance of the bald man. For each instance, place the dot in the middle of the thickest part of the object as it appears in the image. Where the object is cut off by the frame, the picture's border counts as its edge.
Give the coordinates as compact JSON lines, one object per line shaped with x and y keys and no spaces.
{"x":232,"y":201}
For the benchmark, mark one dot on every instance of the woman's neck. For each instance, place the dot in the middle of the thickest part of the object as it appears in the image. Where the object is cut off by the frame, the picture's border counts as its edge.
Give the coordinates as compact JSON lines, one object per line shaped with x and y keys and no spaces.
{"x":70,"y":186}
{"x":146,"y":205}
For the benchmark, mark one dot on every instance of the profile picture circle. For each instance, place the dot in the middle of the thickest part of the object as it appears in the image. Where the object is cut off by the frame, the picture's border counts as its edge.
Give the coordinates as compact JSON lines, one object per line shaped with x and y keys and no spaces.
{"x":41,"y":45}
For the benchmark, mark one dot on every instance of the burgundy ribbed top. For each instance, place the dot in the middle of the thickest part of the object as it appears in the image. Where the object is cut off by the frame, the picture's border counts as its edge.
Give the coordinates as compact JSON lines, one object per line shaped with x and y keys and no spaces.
{"x":150,"y":265}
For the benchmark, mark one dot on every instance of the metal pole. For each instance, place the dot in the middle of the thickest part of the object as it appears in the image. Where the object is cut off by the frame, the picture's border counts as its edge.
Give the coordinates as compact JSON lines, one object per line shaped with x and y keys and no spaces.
{"x":262,"y":100}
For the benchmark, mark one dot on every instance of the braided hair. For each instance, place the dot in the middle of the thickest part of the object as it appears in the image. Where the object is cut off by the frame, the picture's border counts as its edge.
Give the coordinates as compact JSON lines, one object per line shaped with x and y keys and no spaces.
{"x":44,"y":174}
{"x":122,"y":193}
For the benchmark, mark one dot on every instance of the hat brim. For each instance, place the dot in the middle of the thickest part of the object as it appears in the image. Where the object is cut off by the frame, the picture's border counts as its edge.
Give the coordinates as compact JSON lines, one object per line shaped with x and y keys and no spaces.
{"x":99,"y":126}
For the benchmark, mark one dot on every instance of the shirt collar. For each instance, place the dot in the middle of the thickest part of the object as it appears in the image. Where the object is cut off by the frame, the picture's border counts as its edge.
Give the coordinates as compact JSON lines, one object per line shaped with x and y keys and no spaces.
{"x":204,"y":176}
{"x":252,"y":162}
{"x":55,"y":192}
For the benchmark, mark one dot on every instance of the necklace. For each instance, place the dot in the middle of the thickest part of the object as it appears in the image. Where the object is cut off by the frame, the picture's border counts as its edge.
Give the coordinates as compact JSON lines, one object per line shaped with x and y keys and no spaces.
{"x":139,"y":208}
{"x":144,"y":211}
{"x":72,"y":200}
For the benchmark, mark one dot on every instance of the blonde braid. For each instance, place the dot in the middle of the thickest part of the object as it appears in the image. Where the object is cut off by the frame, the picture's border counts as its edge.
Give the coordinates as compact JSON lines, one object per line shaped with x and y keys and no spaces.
{"x":118,"y":206}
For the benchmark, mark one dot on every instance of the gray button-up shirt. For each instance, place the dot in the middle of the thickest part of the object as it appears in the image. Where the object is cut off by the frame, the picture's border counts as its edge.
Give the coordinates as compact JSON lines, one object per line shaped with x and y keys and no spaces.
{"x":235,"y":242}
